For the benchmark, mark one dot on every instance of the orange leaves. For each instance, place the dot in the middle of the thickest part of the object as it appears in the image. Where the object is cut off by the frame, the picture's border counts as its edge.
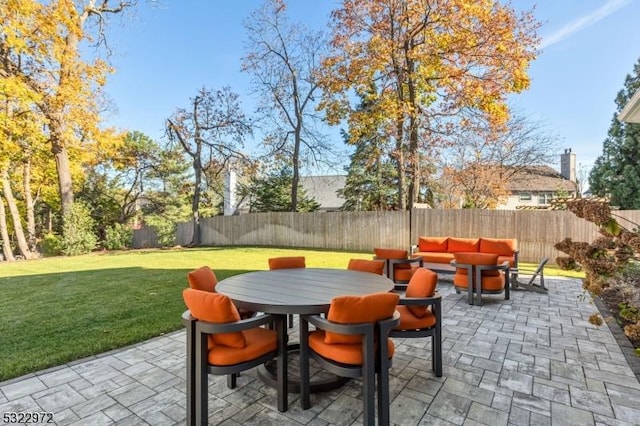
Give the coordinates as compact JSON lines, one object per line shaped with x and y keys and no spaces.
{"x":417,"y":50}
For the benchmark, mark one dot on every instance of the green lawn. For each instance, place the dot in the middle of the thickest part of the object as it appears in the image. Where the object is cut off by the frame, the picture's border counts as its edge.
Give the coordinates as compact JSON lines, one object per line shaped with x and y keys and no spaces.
{"x":56,"y":310}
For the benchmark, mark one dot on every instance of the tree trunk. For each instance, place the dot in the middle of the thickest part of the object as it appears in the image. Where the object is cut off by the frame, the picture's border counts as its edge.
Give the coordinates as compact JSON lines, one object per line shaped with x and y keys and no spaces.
{"x":296,"y":169}
{"x":195,"y":202}
{"x":63,"y":167}
{"x":28,"y":200}
{"x":4,"y":233}
{"x":402,"y":188}
{"x":15,"y":215}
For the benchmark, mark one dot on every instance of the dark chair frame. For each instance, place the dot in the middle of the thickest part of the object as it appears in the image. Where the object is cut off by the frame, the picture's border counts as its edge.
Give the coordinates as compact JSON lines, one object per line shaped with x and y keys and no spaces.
{"x":474,"y":273}
{"x":375,"y":361}
{"x":434,"y":332}
{"x":198,"y":367}
{"x":530,"y":285}
{"x":390,"y":268}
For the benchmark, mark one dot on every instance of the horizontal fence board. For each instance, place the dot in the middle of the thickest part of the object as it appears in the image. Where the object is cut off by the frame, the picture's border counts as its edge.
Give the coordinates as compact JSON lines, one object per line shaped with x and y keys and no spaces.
{"x":536,"y":231}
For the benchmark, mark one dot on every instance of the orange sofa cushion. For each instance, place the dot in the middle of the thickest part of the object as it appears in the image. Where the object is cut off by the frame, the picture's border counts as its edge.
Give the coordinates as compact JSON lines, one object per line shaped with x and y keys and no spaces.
{"x":433,"y":243}
{"x":385,"y":253}
{"x":364,"y":265}
{"x":435,"y":257}
{"x":422,"y":284}
{"x":216,"y":308}
{"x":203,"y":279}
{"x":287,"y":262}
{"x":359,"y":309}
{"x":499,"y":246}
{"x":456,"y":245}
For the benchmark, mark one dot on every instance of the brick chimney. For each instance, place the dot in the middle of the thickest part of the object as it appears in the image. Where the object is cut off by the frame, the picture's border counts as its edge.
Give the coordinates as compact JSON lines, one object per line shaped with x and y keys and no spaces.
{"x":568,"y":165}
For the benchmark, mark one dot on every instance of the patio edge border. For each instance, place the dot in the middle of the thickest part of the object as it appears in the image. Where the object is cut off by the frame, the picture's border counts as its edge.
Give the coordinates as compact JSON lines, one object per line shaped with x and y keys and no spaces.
{"x":625,"y":344}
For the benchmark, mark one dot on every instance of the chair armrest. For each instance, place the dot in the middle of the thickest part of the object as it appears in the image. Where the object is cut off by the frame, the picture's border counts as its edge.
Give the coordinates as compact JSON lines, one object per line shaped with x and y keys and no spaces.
{"x":245,"y":324}
{"x":502,"y":266}
{"x":326,"y":325}
{"x":421,"y":301}
{"x":388,"y":324}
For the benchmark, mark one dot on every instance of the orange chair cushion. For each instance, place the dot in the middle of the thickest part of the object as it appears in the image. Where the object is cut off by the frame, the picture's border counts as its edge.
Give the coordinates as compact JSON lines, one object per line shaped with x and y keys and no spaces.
{"x":203,"y":279}
{"x":433,"y":243}
{"x":385,"y":253}
{"x":491,"y":283}
{"x":463,"y":244}
{"x":499,"y":246}
{"x":345,"y":353}
{"x":364,"y":265}
{"x":216,"y":308}
{"x":408,"y":321}
{"x":477,"y":259}
{"x":359,"y":309}
{"x":290,"y":262}
{"x":422,"y":284}
{"x":436,"y":257}
{"x":404,"y":272}
{"x":259,"y":340}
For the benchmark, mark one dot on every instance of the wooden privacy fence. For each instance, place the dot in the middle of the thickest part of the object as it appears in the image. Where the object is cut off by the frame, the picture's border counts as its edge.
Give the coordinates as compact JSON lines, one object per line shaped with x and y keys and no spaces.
{"x":536,"y":230}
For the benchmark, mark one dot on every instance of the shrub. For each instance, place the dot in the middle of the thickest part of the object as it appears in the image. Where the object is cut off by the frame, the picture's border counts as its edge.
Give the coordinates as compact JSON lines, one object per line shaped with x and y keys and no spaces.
{"x":78,"y":236}
{"x":118,"y":237}
{"x":165,"y":229}
{"x":51,"y":245}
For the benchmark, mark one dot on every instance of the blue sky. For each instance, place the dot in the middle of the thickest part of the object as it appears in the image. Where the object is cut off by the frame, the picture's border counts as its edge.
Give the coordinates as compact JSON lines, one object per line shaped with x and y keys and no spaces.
{"x":166,"y":51}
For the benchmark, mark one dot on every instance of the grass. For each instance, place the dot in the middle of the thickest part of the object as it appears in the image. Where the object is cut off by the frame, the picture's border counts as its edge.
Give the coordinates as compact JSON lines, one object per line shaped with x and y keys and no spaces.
{"x":56,"y":310}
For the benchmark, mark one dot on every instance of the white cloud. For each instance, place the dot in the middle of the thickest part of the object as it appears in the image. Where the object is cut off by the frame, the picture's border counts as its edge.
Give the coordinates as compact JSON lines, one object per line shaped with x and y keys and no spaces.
{"x":583,"y":22}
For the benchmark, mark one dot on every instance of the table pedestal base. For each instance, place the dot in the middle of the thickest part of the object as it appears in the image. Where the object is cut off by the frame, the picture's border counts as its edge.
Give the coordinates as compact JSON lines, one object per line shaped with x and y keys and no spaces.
{"x":267,"y":373}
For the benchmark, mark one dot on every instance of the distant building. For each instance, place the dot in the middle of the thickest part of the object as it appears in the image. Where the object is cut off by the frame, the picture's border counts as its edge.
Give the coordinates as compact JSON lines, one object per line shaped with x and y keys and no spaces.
{"x":536,"y":186}
{"x":324,"y":190}
{"x":631,"y":111}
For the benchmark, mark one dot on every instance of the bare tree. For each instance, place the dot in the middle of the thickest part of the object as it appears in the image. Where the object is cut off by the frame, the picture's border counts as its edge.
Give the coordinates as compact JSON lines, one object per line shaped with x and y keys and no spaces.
{"x":210,"y":132}
{"x":284,"y":60}
{"x":482,"y":159}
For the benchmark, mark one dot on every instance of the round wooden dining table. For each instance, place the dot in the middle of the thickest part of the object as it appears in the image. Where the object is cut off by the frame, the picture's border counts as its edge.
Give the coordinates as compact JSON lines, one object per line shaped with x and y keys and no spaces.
{"x":299,"y":291}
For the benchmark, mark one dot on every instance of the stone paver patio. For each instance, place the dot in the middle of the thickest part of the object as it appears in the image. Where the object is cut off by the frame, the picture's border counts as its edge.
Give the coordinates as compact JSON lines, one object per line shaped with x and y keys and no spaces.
{"x":532,"y":360}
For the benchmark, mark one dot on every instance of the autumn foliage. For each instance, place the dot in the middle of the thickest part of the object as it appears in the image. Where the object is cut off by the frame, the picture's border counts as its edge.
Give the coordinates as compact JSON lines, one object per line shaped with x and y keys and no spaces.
{"x":429,"y":59}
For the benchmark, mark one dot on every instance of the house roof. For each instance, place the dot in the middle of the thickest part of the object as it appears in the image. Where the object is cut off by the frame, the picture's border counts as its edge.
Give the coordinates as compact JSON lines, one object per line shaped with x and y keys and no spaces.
{"x":323,"y":189}
{"x":540,"y":178}
{"x":631,"y":111}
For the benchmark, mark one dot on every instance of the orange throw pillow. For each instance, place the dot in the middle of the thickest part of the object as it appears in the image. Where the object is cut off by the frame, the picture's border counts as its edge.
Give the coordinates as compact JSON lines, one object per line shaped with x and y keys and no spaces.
{"x":291,"y":262}
{"x":385,"y":253}
{"x":203,"y":279}
{"x":216,"y":308}
{"x":422,"y":284}
{"x":359,"y":309}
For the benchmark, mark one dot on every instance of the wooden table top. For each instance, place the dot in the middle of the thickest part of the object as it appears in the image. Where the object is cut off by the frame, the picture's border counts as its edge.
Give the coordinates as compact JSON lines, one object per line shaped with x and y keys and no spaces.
{"x":299,"y":291}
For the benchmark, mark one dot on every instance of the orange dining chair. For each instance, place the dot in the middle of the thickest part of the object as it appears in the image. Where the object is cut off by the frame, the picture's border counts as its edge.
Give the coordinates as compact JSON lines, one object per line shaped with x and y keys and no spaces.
{"x":480,"y":273}
{"x":364,"y":265}
{"x":287,"y":262}
{"x":420,"y":310}
{"x":353,"y":342}
{"x":220,"y":343}
{"x":399,"y":267}
{"x":205,"y":279}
